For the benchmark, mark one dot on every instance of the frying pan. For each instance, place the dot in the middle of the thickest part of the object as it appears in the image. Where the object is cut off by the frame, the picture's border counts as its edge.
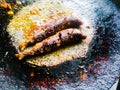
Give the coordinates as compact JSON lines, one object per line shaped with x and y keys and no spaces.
{"x":107,"y":34}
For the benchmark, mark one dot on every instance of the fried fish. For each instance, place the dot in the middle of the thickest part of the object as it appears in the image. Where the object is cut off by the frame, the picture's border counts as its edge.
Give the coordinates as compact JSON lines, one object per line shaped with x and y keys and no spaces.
{"x":59,"y":39}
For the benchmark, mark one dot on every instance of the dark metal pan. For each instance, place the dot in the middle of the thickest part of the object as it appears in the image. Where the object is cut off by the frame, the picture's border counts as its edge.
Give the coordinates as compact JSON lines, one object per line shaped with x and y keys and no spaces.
{"x":70,"y":71}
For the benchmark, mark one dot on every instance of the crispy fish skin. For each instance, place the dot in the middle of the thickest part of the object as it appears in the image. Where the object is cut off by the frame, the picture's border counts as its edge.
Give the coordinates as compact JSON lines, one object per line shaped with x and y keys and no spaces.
{"x":52,"y":27}
{"x":59,"y":39}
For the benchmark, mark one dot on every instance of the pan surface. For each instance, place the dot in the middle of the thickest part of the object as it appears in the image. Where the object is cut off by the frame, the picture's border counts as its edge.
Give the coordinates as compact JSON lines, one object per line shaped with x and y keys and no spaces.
{"x":102,"y":13}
